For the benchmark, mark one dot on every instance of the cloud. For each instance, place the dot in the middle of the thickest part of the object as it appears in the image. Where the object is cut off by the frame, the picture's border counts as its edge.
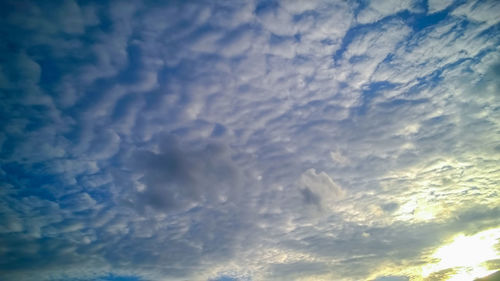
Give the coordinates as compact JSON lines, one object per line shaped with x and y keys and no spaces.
{"x":378,"y":9}
{"x":174,"y":177}
{"x":196,"y":141}
{"x":490,"y":277}
{"x":437,"y":6}
{"x":319,"y":189}
{"x":296,"y":270}
{"x":392,"y":278}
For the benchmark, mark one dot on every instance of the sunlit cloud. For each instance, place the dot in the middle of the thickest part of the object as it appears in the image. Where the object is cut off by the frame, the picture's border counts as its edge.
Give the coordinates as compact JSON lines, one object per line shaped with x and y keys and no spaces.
{"x":466,"y":256}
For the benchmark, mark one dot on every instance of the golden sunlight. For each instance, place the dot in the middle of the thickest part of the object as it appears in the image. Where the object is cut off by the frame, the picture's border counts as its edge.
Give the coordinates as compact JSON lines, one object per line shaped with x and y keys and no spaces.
{"x":466,"y":256}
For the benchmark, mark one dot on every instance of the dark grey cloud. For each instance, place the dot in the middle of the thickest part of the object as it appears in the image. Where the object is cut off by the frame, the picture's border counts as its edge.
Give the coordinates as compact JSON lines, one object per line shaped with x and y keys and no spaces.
{"x":176,"y":176}
{"x":310,"y":197}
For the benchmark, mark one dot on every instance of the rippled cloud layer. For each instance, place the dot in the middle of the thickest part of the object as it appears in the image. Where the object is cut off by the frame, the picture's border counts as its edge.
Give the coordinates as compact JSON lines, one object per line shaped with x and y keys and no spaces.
{"x":247,"y":140}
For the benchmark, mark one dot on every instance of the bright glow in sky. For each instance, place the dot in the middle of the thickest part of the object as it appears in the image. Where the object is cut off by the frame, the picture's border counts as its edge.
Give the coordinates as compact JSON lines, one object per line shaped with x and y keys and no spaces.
{"x":249,"y":140}
{"x":467,"y":253}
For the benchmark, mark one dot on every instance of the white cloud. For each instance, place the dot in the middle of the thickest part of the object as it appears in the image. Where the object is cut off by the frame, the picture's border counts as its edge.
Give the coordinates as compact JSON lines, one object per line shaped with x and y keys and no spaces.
{"x":379,"y":9}
{"x":479,"y":11}
{"x":367,"y":51}
{"x":435,"y":6}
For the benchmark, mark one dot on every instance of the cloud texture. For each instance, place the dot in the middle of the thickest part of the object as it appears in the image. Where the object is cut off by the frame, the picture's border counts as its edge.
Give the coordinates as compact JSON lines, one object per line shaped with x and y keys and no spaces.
{"x":245,"y":140}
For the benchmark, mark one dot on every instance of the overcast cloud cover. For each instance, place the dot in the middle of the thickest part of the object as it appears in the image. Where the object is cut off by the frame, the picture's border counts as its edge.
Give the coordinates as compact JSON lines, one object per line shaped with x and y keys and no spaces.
{"x":245,"y":140}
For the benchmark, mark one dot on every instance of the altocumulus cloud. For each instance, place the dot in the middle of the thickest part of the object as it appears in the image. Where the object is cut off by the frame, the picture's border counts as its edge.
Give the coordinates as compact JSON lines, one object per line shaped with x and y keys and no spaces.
{"x":245,"y":140}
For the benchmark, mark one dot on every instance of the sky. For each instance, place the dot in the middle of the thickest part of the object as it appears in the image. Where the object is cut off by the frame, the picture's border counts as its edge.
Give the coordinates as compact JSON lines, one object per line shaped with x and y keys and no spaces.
{"x":249,"y":140}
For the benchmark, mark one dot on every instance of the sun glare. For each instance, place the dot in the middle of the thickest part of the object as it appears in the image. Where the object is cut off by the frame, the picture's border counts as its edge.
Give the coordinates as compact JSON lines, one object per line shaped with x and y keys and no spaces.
{"x":466,"y":255}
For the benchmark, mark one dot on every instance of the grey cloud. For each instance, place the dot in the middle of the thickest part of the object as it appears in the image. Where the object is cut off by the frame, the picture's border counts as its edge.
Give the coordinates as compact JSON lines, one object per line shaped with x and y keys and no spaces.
{"x":296,"y":270}
{"x":310,"y":197}
{"x":319,"y":189}
{"x":392,"y":278}
{"x":176,"y":175}
{"x":390,"y":207}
